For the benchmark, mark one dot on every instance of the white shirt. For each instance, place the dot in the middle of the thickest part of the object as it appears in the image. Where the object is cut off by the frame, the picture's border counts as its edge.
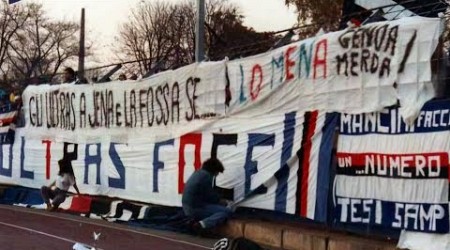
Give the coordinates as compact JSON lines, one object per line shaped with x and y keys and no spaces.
{"x":65,"y":181}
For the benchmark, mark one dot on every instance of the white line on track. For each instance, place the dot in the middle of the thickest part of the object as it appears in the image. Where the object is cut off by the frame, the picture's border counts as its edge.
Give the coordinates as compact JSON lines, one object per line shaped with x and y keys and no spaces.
{"x":42,"y":233}
{"x":111,"y":227}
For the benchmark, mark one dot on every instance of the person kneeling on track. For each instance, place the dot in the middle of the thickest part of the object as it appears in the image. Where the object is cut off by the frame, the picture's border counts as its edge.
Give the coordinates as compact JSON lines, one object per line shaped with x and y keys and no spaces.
{"x":201,"y":202}
{"x":56,"y":192}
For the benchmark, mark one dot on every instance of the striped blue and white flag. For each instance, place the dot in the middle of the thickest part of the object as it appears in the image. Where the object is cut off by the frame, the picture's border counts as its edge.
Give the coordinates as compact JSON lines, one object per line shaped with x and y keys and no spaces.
{"x":8,"y":117}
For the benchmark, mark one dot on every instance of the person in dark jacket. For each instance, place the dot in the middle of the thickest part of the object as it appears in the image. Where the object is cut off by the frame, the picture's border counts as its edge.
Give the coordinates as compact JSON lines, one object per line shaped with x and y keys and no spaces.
{"x":200,"y":201}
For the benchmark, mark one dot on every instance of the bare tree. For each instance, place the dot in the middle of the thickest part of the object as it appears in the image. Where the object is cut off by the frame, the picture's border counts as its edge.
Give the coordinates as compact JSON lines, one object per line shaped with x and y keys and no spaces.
{"x":12,"y":18}
{"x":145,"y":36}
{"x":181,"y":31}
{"x":162,"y":35}
{"x":41,"y":46}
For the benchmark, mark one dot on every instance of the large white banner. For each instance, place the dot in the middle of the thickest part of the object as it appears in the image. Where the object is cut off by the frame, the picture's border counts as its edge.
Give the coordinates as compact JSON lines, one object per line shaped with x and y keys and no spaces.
{"x":252,"y":151}
{"x":351,"y":71}
{"x":160,"y":107}
{"x":277,"y":162}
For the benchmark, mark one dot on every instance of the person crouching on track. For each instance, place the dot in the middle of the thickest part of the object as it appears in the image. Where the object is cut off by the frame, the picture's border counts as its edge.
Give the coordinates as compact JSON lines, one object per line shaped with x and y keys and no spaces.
{"x":57,"y":191}
{"x":201,"y":202}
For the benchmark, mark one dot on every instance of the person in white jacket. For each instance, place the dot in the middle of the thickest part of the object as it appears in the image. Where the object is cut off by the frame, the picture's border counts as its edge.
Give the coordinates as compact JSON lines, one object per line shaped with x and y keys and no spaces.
{"x":56,"y":192}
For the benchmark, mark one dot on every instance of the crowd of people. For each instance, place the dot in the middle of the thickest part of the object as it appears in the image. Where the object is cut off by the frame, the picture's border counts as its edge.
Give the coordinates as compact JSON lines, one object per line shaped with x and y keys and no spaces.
{"x":10,"y":97}
{"x":70,"y":76}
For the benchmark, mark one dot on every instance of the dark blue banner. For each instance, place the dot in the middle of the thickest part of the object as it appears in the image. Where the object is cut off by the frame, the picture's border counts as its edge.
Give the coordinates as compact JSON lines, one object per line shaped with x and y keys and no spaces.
{"x":434,"y":117}
{"x":421,"y":217}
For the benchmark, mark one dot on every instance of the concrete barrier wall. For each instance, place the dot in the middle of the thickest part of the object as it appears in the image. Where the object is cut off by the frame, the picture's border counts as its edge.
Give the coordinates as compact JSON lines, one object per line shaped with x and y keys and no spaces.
{"x":291,"y":237}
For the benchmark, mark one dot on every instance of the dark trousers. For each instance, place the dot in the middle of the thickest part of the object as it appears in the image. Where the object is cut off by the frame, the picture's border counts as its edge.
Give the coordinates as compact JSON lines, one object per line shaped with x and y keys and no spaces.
{"x":57,"y":196}
{"x":210,"y":215}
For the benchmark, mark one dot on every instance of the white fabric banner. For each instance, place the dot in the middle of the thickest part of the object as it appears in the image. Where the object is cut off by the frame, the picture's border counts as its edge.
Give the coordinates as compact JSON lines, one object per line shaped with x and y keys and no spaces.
{"x":252,"y":151}
{"x":261,"y":157}
{"x":349,"y":71}
{"x":160,"y":107}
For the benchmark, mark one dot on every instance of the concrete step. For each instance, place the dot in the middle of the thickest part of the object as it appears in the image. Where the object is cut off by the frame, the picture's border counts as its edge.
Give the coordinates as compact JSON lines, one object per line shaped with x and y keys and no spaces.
{"x":299,"y":237}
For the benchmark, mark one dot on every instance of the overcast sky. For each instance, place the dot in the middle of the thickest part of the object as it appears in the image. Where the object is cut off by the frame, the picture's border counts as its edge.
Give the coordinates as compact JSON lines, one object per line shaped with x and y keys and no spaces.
{"x":103,"y":17}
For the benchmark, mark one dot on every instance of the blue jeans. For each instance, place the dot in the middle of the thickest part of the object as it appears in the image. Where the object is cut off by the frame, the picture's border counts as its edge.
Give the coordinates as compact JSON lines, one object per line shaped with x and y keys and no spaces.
{"x":210,"y":215}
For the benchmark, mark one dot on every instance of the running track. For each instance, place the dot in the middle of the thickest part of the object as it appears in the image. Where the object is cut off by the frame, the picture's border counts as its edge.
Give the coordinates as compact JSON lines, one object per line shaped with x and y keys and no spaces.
{"x":22,"y":228}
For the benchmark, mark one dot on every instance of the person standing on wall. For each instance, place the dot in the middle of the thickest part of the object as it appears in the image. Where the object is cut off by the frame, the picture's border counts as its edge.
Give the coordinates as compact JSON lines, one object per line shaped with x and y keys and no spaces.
{"x":55,"y":193}
{"x":201,"y":202}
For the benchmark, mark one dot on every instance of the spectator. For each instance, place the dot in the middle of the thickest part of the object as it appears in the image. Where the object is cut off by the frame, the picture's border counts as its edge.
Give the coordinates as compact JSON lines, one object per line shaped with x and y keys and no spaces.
{"x":200,"y":201}
{"x":69,"y":75}
{"x":15,"y":98}
{"x":122,"y":77}
{"x":134,"y":77}
{"x":12,"y":96}
{"x":82,"y":80}
{"x":57,"y":191}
